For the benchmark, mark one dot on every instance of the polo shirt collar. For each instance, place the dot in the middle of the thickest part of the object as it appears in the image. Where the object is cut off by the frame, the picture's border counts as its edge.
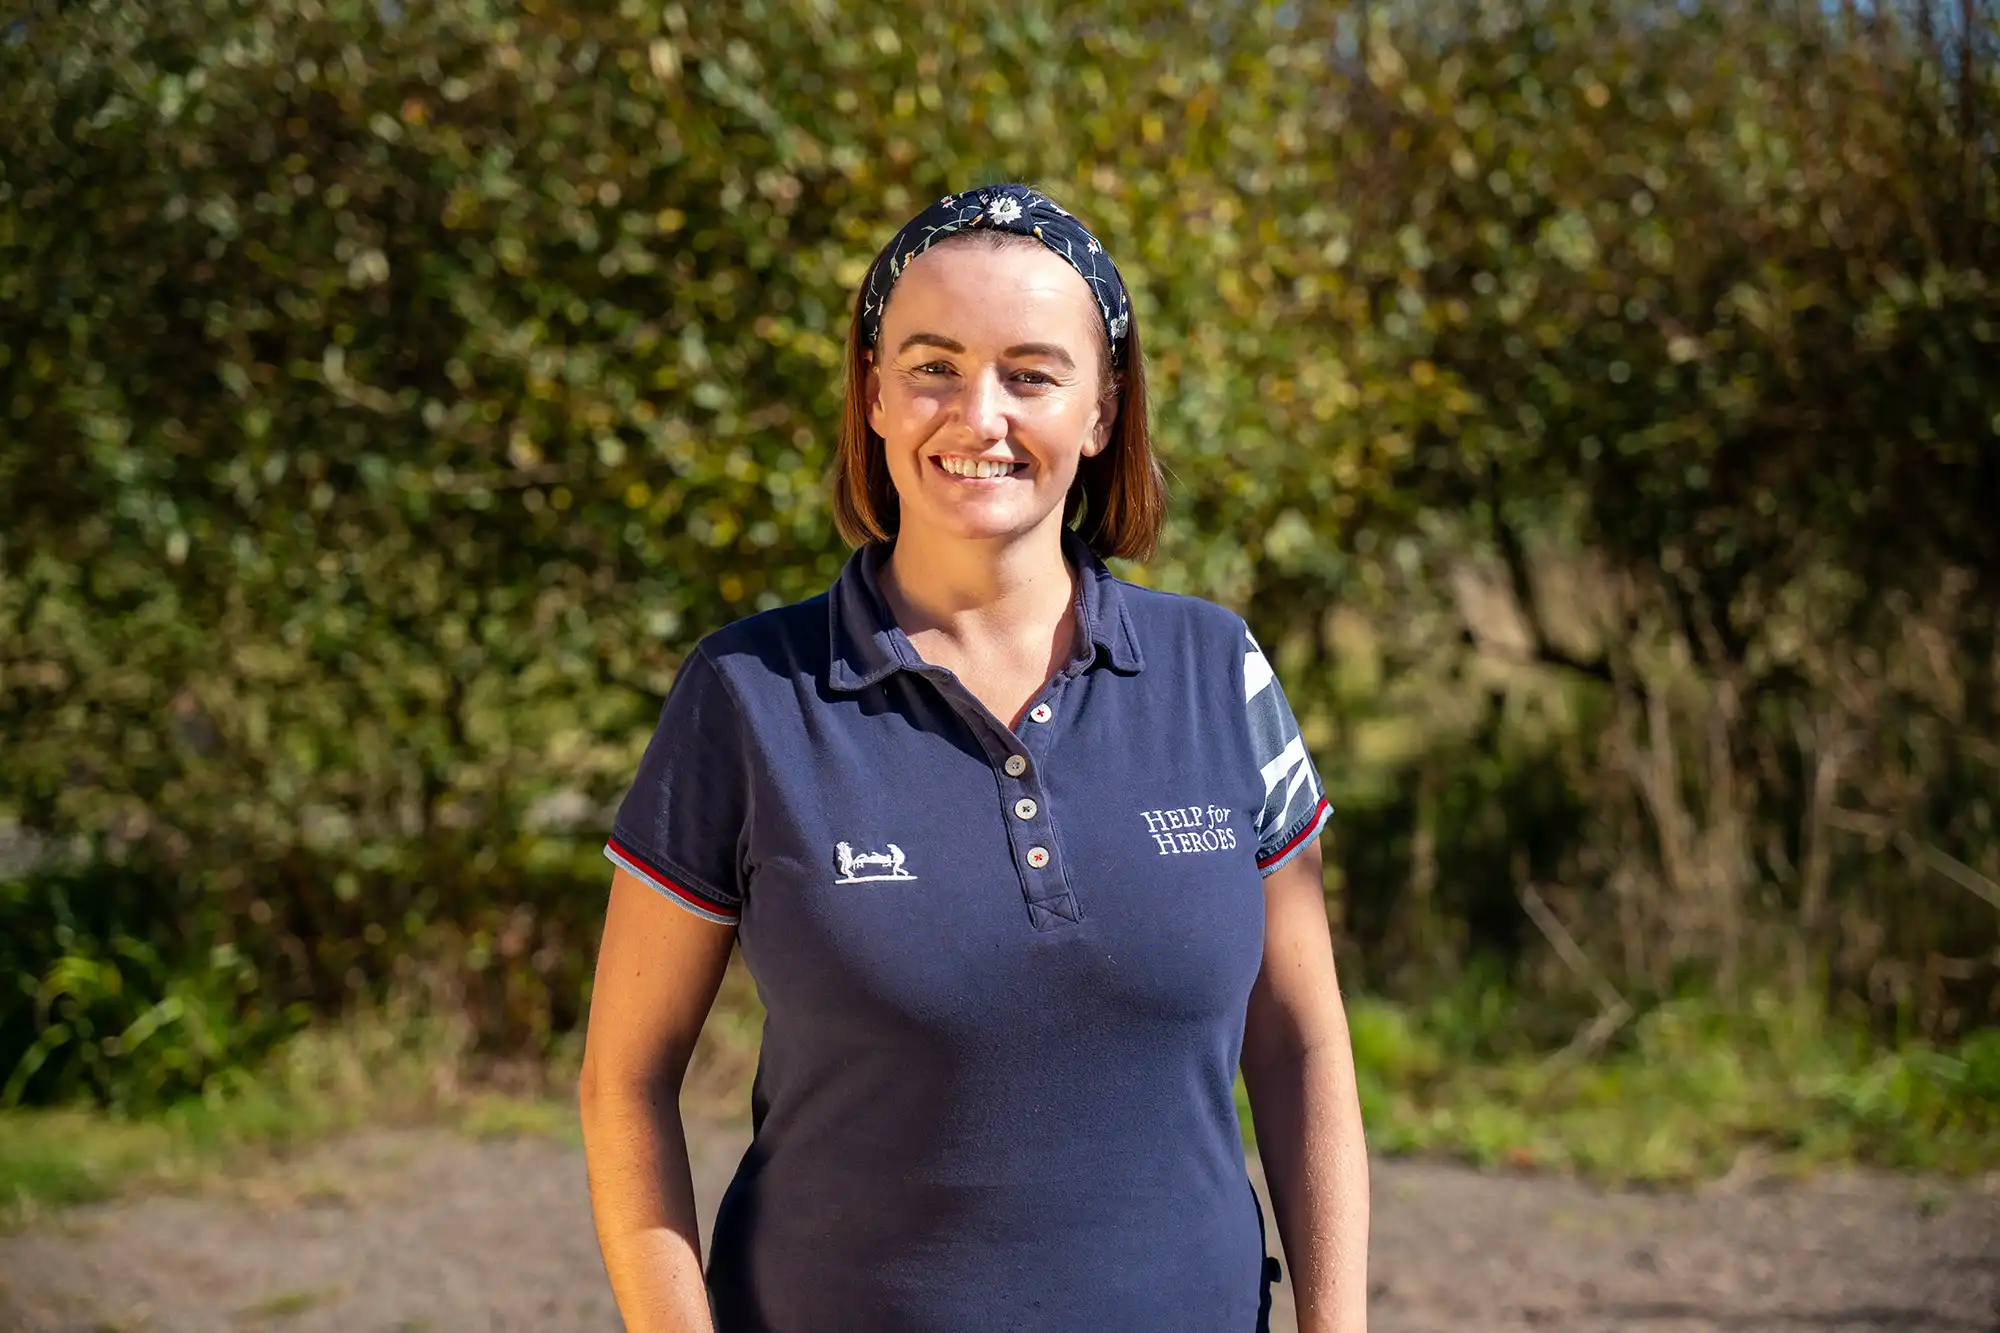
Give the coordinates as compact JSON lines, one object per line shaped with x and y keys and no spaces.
{"x":868,"y":647}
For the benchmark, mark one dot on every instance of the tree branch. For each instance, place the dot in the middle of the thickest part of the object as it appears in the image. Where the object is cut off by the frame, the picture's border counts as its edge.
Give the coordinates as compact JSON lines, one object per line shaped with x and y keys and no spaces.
{"x":1542,"y":650}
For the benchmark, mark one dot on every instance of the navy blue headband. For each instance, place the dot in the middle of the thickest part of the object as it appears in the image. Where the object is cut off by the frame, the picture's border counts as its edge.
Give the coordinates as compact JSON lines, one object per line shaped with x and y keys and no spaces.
{"x":1014,"y":208}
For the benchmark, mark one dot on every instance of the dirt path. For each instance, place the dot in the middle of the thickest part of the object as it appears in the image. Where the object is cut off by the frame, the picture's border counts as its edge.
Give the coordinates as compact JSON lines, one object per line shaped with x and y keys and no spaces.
{"x":423,"y":1231}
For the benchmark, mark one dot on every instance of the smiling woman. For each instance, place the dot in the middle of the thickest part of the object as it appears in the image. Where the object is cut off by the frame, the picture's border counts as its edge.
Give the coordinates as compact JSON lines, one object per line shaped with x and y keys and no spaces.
{"x":1021,"y":857}
{"x":979,"y":279}
{"x":982,"y":428}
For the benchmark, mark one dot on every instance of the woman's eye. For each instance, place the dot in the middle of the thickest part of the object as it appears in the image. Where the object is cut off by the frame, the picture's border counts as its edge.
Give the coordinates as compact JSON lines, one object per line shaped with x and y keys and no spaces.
{"x":934,"y":368}
{"x":1034,"y":377}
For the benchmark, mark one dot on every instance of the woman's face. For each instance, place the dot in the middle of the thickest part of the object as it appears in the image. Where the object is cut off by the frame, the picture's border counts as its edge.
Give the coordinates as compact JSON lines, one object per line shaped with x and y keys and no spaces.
{"x":989,"y":389}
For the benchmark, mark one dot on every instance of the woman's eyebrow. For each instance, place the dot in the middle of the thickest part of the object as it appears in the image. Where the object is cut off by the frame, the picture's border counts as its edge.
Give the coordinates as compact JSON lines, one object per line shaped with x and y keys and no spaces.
{"x":1049,"y":350}
{"x":937,"y":340}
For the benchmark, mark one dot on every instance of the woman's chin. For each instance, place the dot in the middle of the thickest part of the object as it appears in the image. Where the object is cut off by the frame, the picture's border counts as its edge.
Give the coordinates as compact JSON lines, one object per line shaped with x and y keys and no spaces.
{"x":975,"y":522}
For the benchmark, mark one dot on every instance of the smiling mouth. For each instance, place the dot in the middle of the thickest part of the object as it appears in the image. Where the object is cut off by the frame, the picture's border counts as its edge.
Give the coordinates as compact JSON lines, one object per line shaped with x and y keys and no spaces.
{"x":977,"y":469}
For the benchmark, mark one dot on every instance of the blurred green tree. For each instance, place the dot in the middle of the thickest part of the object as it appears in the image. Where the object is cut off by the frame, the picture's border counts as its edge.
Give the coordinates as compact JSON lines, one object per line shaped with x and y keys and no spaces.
{"x":389,"y":396}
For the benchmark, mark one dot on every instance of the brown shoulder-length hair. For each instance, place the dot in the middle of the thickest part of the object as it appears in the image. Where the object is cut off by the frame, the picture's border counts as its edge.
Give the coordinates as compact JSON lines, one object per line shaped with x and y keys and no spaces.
{"x":1120,"y":493}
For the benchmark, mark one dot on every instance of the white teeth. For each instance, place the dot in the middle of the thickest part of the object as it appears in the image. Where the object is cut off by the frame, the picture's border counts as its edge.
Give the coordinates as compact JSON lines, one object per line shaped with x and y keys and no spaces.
{"x":974,"y":467}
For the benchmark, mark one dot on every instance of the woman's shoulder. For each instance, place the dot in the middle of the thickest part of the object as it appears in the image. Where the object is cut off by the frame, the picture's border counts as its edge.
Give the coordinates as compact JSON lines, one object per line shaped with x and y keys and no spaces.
{"x":783,"y":641}
{"x":1172,"y":614}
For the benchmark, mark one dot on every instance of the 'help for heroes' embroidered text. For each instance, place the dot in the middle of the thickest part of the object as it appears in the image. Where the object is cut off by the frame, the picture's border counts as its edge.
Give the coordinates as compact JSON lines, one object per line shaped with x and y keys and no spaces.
{"x":1190,"y":828}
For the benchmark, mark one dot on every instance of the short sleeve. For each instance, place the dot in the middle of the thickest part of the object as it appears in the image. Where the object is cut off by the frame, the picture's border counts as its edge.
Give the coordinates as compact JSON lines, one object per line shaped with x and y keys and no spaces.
{"x":680,"y":827}
{"x":1295,"y":807}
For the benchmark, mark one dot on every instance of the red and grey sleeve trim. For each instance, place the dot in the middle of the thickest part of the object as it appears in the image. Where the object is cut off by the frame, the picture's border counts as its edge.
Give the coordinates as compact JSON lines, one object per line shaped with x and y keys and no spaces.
{"x":1297,"y":842}
{"x":703,"y":906}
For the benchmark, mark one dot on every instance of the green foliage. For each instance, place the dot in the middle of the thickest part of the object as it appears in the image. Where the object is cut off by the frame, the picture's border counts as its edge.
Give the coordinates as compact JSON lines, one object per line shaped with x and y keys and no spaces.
{"x":390,"y":395}
{"x":1698,"y":1089}
{"x":383,"y":1065}
{"x":101,"y":1015}
{"x":1671,"y":283}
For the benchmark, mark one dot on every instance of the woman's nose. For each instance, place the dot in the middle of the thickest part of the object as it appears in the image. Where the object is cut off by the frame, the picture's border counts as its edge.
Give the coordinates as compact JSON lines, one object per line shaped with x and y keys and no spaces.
{"x":985,"y":408}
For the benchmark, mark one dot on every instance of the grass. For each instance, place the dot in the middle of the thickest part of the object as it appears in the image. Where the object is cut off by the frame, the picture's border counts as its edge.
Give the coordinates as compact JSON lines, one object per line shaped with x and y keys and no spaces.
{"x":1693,"y":1090}
{"x":392,"y":1067}
{"x":374,"y":1070}
{"x":1689,"y":1091}
{"x":284,"y":1305}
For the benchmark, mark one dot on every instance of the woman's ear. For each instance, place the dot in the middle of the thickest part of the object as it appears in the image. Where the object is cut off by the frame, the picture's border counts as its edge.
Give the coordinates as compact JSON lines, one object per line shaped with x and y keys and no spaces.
{"x":871,"y":391}
{"x":1107,"y":417}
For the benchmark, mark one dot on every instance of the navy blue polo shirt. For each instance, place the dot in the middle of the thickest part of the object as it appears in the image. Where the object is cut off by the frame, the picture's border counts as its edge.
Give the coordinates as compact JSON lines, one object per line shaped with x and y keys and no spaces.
{"x":1005,"y":973}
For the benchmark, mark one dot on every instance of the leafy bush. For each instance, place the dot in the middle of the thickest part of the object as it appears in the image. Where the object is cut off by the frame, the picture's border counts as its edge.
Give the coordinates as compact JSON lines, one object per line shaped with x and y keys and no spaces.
{"x":389,"y":396}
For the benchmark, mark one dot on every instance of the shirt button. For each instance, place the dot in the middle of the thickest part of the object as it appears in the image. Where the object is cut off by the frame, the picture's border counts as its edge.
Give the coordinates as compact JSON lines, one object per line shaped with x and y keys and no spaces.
{"x":1038,"y":857}
{"x":1041,"y":712}
{"x":1025,"y":808}
{"x":1016,"y":765}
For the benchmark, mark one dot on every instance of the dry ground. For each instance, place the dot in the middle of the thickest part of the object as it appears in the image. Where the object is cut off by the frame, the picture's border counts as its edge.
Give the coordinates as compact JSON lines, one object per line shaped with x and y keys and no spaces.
{"x":424,"y":1230}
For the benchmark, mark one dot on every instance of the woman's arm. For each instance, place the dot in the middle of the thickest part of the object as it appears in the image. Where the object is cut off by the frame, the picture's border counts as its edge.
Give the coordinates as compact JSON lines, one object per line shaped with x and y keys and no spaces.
{"x":1298,"y":1067}
{"x":657,"y":974}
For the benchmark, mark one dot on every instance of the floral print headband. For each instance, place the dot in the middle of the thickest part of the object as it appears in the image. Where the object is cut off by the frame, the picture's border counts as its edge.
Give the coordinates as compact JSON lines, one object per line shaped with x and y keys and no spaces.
{"x":1024,"y":212}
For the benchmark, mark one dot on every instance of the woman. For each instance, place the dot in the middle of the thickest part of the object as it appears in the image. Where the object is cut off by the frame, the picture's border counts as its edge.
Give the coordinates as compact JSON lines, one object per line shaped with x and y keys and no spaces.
{"x":1021,"y":857}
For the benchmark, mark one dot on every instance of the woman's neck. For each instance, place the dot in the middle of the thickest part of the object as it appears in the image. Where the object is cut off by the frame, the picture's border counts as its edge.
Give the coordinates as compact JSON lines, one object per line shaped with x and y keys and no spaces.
{"x":978,"y":592}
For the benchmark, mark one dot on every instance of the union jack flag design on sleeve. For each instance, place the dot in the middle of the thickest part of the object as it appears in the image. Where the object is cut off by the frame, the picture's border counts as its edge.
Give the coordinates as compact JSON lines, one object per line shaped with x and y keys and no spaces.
{"x":1295,"y":807}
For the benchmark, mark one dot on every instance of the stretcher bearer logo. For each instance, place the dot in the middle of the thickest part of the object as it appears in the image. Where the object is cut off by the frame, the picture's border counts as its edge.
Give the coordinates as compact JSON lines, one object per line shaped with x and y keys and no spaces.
{"x":853,"y":865}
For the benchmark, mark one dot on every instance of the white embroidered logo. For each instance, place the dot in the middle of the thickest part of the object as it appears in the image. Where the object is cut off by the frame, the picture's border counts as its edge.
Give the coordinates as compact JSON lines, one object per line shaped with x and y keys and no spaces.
{"x":852,"y":864}
{"x":1190,"y":828}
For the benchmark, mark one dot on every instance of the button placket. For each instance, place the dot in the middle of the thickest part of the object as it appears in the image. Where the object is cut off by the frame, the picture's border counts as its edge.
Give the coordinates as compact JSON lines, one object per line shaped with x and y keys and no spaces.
{"x":1042,"y":882}
{"x":1051,"y":903}
{"x":1017,"y":761}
